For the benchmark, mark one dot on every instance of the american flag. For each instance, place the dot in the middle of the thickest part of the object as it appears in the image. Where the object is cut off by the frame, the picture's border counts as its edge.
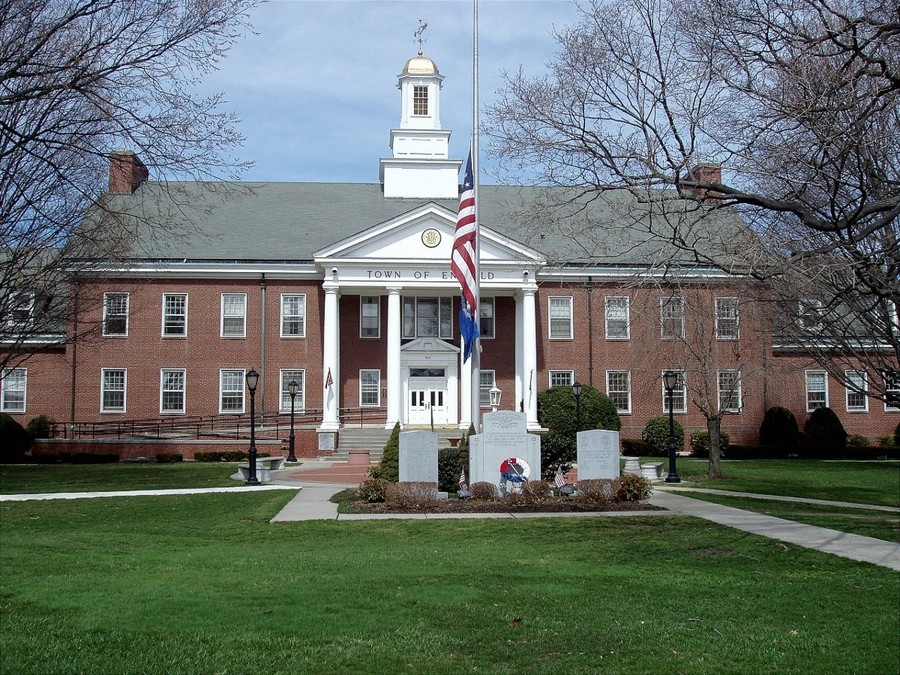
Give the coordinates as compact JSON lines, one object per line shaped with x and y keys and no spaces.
{"x":560,"y":479}
{"x":329,"y":380}
{"x":462,"y":261}
{"x":462,"y":480}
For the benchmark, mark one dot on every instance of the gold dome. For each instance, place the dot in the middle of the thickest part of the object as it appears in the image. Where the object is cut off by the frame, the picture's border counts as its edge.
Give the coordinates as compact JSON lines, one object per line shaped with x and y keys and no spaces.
{"x":420,"y":65}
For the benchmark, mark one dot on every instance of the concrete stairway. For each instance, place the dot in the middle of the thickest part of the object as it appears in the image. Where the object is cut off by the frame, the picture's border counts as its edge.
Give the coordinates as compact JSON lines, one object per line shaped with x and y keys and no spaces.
{"x":374,"y":439}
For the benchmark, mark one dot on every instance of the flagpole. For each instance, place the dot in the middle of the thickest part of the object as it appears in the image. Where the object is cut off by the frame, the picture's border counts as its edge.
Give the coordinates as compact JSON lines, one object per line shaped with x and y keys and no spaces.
{"x":476,"y":351}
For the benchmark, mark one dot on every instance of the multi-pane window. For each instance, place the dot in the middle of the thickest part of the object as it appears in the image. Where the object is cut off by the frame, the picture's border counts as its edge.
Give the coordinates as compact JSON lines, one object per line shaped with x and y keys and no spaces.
{"x":857,"y":401}
{"x":617,"y":318}
{"x":234,"y":315}
{"x":293,"y":315}
{"x":618,"y":388}
{"x":171,"y":390}
{"x":486,"y":318}
{"x":12,"y":393}
{"x":671,"y":313}
{"x":427,"y":317}
{"x":679,"y":394}
{"x":21,"y":308}
{"x":231,"y":391}
{"x":369,"y":388}
{"x":115,"y":314}
{"x":727,"y":319}
{"x":729,"y":382}
{"x":288,"y":376}
{"x":560,"y":318}
{"x":892,"y":389}
{"x":112,"y":394}
{"x":420,"y":99}
{"x":487,"y":383}
{"x":174,"y":314}
{"x":369,"y":316}
{"x":562,"y":378}
{"x":816,"y":389}
{"x":810,"y":313}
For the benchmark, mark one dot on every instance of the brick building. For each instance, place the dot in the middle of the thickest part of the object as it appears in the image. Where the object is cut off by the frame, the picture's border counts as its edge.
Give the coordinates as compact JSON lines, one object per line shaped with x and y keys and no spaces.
{"x":346,"y":290}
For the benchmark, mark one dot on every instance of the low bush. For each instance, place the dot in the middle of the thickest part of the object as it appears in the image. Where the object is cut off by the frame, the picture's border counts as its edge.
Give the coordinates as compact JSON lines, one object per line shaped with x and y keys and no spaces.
{"x":411,"y":495}
{"x":740,"y":451}
{"x":632,"y":488}
{"x":373,"y":490}
{"x":885,"y":441}
{"x":15,"y":441}
{"x":41,"y":426}
{"x":635,"y":447}
{"x":484,"y":491}
{"x":599,"y":491}
{"x":169,"y":457}
{"x":90,"y":458}
{"x":857,"y":441}
{"x":897,"y":434}
{"x":656,"y":434}
{"x":700,"y":443}
{"x":213,"y":456}
{"x":533,"y":492}
{"x":234,"y":455}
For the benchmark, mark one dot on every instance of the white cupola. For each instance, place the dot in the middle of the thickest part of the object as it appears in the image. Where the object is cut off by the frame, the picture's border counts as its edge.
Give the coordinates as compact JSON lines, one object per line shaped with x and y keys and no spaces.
{"x":420,"y":166}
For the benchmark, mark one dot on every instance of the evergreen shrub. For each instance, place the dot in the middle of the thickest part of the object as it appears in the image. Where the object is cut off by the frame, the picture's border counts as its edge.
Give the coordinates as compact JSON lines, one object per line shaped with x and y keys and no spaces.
{"x":897,"y":434}
{"x":656,"y":435}
{"x":779,"y":428}
{"x":389,"y":466}
{"x":824,"y":434}
{"x":91,"y":458}
{"x":15,"y":441}
{"x":700,"y":443}
{"x":449,"y":466}
{"x":635,"y":447}
{"x":41,"y":426}
{"x":169,"y":457}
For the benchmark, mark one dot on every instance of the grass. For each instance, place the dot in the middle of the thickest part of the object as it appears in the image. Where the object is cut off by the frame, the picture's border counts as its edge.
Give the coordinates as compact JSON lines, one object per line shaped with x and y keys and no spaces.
{"x":204,"y":583}
{"x":846,"y":481}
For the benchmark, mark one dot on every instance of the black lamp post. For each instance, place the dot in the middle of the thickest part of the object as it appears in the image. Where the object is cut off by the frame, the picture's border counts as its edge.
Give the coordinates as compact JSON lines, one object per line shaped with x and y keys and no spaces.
{"x":293,"y":388}
{"x":576,"y":389}
{"x":252,"y":381}
{"x":670,"y":381}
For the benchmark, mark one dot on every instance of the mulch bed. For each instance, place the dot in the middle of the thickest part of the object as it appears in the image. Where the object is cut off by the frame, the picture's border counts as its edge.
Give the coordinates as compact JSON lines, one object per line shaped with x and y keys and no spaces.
{"x":503,"y":506}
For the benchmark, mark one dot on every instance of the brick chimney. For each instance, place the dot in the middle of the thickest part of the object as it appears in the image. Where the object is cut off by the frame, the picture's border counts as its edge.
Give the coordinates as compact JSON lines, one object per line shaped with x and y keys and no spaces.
{"x":126,"y":172}
{"x":705,"y":172}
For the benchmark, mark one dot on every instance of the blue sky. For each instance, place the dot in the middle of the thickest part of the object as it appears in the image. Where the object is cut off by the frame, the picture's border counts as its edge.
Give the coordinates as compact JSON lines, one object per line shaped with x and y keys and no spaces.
{"x":315,"y":87}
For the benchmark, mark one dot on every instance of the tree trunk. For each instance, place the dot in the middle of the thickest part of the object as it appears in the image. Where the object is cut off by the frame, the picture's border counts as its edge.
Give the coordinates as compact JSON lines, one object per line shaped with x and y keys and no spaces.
{"x":714,"y":426}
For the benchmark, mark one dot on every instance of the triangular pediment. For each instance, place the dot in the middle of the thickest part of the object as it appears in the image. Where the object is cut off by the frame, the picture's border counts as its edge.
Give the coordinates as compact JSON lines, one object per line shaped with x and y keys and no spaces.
{"x":430,"y":345}
{"x":423,"y":234}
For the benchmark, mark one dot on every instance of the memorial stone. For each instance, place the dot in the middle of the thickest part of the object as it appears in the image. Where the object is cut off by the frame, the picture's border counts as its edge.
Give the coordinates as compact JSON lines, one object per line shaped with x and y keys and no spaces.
{"x":598,"y":454}
{"x":418,"y":457}
{"x":504,"y":438}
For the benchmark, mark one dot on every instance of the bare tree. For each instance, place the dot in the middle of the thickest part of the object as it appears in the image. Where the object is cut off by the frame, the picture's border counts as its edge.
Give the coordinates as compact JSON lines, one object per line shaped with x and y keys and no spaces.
{"x":80,"y":79}
{"x":797,"y":100}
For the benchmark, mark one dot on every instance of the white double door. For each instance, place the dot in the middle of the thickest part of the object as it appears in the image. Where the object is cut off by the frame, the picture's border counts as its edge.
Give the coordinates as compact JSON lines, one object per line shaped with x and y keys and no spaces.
{"x":427,"y":400}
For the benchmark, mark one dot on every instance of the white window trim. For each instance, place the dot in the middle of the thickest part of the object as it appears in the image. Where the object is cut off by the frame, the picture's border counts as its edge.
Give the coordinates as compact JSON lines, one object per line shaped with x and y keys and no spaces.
{"x":3,"y":403}
{"x":243,"y":333}
{"x":737,"y":320}
{"x":606,"y":317}
{"x":302,"y":333}
{"x":377,"y":305}
{"x":551,"y":373}
{"x":665,"y":393}
{"x":571,"y":303}
{"x":127,"y":313}
{"x":441,"y":301}
{"x":849,"y":391}
{"x":21,"y":301}
{"x":377,"y":404}
{"x":163,"y":327}
{"x":806,"y":375}
{"x":493,"y":303}
{"x":162,"y":372}
{"x":244,"y":393}
{"x":482,"y":390}
{"x":739,"y":395}
{"x":887,"y":407}
{"x":627,"y":410}
{"x":663,"y":304}
{"x":283,"y":392}
{"x":124,"y":408}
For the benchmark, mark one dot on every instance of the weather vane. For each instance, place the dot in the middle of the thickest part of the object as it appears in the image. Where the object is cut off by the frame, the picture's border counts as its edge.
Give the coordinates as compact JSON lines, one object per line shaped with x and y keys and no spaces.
{"x":418,"y":34}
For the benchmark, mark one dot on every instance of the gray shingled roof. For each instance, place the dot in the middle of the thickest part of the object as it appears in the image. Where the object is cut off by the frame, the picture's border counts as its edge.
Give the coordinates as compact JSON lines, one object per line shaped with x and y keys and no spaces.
{"x":290,"y":221}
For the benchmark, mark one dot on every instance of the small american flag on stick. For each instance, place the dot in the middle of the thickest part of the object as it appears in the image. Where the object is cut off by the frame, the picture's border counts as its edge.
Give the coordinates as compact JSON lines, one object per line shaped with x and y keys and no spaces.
{"x":560,"y":479}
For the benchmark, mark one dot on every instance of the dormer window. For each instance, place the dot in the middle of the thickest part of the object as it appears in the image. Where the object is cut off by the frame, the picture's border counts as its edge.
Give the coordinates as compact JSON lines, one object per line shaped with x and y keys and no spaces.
{"x":420,"y":100}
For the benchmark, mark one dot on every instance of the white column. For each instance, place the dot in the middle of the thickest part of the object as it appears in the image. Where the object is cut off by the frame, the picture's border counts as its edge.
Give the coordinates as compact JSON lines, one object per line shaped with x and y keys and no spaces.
{"x":529,"y":354}
{"x":521,"y":384}
{"x":331,"y":336}
{"x":394,"y":377}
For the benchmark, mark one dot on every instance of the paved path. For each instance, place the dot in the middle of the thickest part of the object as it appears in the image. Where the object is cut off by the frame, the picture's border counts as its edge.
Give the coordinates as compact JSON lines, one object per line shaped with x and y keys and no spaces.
{"x":779,"y":498}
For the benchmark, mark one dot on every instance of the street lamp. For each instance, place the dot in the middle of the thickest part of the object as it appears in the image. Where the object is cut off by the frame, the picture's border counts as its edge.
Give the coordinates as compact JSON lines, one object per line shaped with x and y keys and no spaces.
{"x":576,"y":389}
{"x":293,"y":388}
{"x":494,"y":395}
{"x":252,"y":381}
{"x":670,"y":381}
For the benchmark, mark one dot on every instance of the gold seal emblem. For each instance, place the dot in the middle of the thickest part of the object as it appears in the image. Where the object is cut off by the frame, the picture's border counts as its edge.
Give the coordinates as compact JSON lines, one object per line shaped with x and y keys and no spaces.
{"x":431,"y":237}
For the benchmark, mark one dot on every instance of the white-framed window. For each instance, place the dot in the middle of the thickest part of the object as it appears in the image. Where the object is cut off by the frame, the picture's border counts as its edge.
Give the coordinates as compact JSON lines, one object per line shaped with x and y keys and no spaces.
{"x":369,"y":387}
{"x":231,"y":391}
{"x":14,"y":390}
{"x":488,"y":380}
{"x":369,"y":316}
{"x":727,"y":320}
{"x":856,"y":390}
{"x":234,"y":315}
{"x":293,"y":315}
{"x":892,"y":389}
{"x":115,"y":314}
{"x":810,"y":313}
{"x":729,"y":384}
{"x":562,"y":378}
{"x":420,"y":99}
{"x":172,"y":388}
{"x":671,"y":318}
{"x":174,"y":315}
{"x":299,"y":376}
{"x":486,"y":318}
{"x":113,"y":386}
{"x":21,"y":309}
{"x":679,"y":394}
{"x":427,"y":317}
{"x":618,"y":324}
{"x":560,"y":317}
{"x":618,"y":388}
{"x":816,"y":389}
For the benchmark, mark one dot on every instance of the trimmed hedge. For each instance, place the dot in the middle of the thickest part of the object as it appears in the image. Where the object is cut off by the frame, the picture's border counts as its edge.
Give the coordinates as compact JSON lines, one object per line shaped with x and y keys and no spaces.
{"x":635,"y":447}
{"x":221,"y":456}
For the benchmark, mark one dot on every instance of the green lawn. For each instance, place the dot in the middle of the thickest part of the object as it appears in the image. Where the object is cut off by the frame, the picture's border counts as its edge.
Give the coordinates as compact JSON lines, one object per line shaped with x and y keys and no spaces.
{"x":203,"y":583}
